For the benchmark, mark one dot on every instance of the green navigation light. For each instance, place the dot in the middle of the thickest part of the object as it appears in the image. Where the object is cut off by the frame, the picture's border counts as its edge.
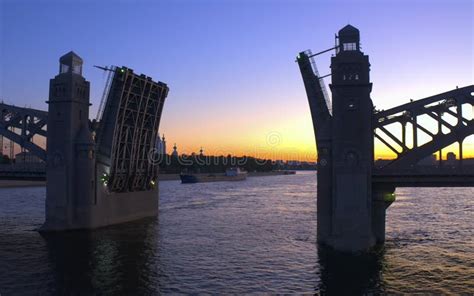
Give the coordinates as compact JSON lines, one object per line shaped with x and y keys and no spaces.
{"x":104,"y":179}
{"x":389,"y":197}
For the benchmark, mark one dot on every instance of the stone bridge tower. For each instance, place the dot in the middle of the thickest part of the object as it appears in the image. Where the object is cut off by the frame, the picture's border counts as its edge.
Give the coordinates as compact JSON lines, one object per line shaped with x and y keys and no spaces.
{"x":352,"y":142}
{"x":70,"y":148}
{"x":344,"y":136}
{"x":354,"y":193}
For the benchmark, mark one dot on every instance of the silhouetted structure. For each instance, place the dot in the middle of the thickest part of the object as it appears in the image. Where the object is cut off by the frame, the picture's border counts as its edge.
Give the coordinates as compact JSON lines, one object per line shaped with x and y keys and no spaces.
{"x":175,"y":151}
{"x":28,"y":122}
{"x":197,"y":163}
{"x":27,"y":157}
{"x":161,"y":145}
{"x":352,"y":195}
{"x":100,"y":180}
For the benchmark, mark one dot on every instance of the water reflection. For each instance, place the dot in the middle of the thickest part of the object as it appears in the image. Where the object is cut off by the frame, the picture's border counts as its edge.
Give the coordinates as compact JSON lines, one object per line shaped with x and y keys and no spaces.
{"x":113,"y":260}
{"x":348,"y":274}
{"x":258,"y":236}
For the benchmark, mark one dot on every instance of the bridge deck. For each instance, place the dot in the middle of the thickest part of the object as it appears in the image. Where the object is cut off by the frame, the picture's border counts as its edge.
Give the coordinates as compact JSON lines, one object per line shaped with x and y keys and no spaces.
{"x":427,"y":180}
{"x":23,"y":171}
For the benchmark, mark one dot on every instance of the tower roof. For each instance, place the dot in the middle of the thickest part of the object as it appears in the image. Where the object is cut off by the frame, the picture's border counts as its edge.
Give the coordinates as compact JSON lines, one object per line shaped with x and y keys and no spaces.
{"x":349,"y":30}
{"x":349,"y":34}
{"x":70,"y":58}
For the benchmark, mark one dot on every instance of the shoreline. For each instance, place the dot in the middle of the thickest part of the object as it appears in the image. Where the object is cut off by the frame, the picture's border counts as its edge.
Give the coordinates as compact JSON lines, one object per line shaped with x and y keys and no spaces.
{"x":172,"y":177}
{"x":161,"y":177}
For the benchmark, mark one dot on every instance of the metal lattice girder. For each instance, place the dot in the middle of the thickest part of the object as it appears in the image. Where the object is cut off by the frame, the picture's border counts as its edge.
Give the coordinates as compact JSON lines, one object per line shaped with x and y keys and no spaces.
{"x":433,"y":107}
{"x":30,"y":122}
{"x":132,"y":114}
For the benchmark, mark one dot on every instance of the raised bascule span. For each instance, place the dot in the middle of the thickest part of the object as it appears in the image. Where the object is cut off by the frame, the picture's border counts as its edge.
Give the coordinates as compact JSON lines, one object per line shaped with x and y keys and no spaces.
{"x":353,"y":194}
{"x":98,"y":172}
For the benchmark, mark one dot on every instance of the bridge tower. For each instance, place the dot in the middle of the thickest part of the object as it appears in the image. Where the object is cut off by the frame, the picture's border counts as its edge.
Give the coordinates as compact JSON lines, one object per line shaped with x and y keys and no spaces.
{"x":352,"y":143}
{"x":70,"y":147}
{"x":351,"y":212}
{"x":353,"y":192}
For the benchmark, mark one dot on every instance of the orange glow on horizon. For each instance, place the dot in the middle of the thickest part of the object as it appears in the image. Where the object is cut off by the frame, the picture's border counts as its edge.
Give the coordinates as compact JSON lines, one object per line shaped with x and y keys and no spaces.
{"x":284,"y":144}
{"x":274,"y":146}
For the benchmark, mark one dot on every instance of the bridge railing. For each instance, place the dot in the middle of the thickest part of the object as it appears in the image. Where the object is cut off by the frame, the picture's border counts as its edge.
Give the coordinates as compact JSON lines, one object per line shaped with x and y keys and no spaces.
{"x":444,"y":170}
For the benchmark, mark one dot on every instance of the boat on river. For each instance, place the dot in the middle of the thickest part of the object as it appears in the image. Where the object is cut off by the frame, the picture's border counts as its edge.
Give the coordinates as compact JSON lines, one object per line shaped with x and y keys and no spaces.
{"x":231,"y":174}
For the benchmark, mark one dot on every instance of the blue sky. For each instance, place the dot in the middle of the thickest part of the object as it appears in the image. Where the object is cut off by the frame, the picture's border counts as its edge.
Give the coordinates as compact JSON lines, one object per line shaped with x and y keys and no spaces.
{"x":230,"y":64}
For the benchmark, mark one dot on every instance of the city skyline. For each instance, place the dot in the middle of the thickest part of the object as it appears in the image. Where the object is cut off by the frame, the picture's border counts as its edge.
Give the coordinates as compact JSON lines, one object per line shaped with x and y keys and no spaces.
{"x":234,"y":85}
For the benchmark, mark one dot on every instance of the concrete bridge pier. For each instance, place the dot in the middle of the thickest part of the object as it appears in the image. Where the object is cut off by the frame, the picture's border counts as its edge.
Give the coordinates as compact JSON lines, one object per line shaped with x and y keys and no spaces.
{"x":382,"y":198}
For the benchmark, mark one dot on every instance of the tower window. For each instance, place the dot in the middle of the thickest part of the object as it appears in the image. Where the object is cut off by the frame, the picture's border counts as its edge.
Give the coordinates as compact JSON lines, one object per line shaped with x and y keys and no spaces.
{"x":77,"y":69}
{"x":64,"y":68}
{"x":349,"y":46}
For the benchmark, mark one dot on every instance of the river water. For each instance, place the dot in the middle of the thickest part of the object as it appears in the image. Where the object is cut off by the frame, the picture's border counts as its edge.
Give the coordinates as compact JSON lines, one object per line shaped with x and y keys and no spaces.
{"x":254,"y":236}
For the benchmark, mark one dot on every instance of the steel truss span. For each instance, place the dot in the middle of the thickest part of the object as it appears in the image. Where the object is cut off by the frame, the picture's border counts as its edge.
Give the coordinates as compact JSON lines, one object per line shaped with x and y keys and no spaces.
{"x":28,"y":122}
{"x":447,"y":110}
{"x":128,"y":130}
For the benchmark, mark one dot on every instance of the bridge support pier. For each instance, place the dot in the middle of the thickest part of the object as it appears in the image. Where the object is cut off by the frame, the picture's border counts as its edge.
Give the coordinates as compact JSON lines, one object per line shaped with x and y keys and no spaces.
{"x":382,"y":198}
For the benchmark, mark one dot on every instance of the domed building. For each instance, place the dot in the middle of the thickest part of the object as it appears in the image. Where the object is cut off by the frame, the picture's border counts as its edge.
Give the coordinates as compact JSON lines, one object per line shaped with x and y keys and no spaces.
{"x":175,"y":151}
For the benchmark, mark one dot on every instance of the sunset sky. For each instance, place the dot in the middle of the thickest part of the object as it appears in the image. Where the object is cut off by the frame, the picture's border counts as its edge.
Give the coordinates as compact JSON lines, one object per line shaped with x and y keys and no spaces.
{"x":230,"y":65}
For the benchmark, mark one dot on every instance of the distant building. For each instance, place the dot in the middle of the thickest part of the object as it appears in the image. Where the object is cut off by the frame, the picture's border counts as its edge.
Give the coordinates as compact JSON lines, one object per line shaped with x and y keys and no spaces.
{"x":175,"y":151}
{"x":27,"y":157}
{"x":161,"y":144}
{"x":451,"y":158}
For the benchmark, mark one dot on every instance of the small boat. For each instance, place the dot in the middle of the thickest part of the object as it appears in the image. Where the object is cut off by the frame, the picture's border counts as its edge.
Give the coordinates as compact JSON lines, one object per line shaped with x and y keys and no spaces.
{"x":289,"y":172}
{"x":231,"y":174}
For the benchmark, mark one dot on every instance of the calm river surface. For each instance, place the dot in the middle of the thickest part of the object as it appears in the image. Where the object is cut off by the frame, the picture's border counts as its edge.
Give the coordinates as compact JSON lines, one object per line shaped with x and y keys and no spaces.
{"x":254,"y":236}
